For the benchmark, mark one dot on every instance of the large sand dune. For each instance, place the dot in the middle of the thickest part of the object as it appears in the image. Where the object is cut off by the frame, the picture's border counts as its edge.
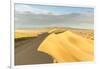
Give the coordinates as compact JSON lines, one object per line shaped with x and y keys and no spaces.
{"x":68,"y":47}
{"x":53,"y":44}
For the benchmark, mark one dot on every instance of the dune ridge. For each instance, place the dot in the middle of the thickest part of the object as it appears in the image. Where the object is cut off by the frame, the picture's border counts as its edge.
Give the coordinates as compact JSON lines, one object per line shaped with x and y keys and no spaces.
{"x":68,"y":47}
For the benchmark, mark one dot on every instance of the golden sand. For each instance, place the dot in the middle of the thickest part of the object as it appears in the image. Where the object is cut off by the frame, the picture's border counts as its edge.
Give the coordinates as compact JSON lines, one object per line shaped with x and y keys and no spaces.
{"x":29,"y":33}
{"x":25,"y":34}
{"x":68,"y":47}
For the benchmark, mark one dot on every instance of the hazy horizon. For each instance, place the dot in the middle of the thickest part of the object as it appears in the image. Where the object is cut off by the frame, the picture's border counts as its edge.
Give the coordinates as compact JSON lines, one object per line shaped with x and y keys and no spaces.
{"x":43,"y":16}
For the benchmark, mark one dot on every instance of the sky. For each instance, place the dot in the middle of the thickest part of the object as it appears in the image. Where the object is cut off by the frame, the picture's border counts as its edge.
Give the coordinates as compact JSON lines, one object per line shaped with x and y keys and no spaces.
{"x":38,"y":16}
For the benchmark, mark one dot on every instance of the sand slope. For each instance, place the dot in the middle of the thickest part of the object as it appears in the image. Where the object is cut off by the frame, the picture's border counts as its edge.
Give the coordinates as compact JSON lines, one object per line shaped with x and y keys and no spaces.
{"x":25,"y":34}
{"x":68,"y":47}
{"x":26,"y":51}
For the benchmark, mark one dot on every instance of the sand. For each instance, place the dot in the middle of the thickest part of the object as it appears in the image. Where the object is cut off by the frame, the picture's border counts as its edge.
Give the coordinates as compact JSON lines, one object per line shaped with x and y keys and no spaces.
{"x":68,"y":47}
{"x":53,"y":45}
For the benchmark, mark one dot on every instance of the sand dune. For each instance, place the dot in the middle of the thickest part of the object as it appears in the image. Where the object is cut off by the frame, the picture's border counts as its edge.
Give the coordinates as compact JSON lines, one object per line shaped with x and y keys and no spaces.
{"x":68,"y":47}
{"x":19,"y":33}
{"x":29,"y":33}
{"x":25,"y":34}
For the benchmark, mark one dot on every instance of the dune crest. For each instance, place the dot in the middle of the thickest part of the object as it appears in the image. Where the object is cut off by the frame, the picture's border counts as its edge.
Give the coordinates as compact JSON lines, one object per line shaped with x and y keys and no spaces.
{"x":67,"y":47}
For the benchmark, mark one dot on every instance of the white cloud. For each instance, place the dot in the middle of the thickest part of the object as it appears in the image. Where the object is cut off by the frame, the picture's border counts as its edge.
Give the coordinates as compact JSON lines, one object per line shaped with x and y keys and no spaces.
{"x":23,"y":8}
{"x":26,"y":8}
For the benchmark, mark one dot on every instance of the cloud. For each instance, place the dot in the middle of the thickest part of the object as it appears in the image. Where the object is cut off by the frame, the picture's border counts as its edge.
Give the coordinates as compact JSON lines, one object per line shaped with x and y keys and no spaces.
{"x":32,"y":20}
{"x":31,"y":16}
{"x":29,"y":9}
{"x":23,"y":8}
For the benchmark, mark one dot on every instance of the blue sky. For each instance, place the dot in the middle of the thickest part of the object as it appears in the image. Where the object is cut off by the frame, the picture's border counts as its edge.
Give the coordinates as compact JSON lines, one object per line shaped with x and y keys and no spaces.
{"x":34,"y":8}
{"x":29,"y":16}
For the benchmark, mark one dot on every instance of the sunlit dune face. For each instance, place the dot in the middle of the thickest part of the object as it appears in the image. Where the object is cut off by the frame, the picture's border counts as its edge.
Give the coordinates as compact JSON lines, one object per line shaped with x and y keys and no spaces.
{"x":89,"y":34}
{"x":68,"y":47}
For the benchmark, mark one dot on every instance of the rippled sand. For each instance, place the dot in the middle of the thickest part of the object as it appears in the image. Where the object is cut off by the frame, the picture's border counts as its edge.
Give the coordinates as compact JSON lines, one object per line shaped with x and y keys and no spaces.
{"x":69,"y":46}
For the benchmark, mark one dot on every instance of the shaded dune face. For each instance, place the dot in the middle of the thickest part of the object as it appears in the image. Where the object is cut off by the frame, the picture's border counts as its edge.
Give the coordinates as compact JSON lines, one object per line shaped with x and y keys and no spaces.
{"x":26,"y":51}
{"x":68,"y":47}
